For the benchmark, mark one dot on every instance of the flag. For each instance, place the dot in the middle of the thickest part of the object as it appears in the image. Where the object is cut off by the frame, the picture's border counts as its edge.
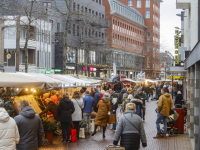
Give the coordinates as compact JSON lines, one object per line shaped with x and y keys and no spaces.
{"x":143,"y":76}
{"x":114,"y":70}
{"x":139,"y":75}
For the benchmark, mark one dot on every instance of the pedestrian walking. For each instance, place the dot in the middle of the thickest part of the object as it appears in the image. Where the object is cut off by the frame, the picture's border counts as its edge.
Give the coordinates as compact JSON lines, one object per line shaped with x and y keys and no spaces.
{"x":164,"y":106}
{"x":138,"y":104}
{"x":114,"y":104}
{"x":179,"y":100}
{"x":51,"y":107}
{"x":142,"y":96}
{"x":30,"y":127}
{"x":88,"y":103}
{"x":147,"y":90}
{"x":125,"y":101}
{"x":9,"y":135}
{"x":120,"y":98}
{"x":130,"y":91}
{"x":97,"y":98}
{"x":102,"y":93}
{"x":130,"y":129}
{"x":65,"y":111}
{"x":101,"y":119}
{"x":77,"y":115}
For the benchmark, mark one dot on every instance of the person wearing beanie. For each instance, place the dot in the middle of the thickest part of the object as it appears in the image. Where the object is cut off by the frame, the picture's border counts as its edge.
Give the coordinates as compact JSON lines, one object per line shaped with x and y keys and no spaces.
{"x":179,"y":100}
{"x":130,"y":130}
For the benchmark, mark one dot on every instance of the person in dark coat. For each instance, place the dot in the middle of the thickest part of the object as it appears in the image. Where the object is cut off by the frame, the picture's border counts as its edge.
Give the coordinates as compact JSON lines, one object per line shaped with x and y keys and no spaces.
{"x":147,"y":90}
{"x":138,"y":104}
{"x":158,"y":92}
{"x":179,"y":100}
{"x":142,"y":96}
{"x":97,"y":98}
{"x":114,"y":103}
{"x":120,"y":98}
{"x":130,"y":129}
{"x":52,"y":107}
{"x":65,"y":111}
{"x":30,"y":127}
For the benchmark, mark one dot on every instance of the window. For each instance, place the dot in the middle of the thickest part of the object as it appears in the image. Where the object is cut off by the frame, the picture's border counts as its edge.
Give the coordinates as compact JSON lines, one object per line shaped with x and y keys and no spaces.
{"x":86,"y":32}
{"x":78,"y":7}
{"x":147,"y":13}
{"x":58,"y":27}
{"x":10,"y":33}
{"x":148,"y":47}
{"x":138,"y":3}
{"x":130,"y":2}
{"x":47,"y":4}
{"x":77,"y":30}
{"x":147,"y":3}
{"x":74,"y":6}
{"x":148,"y":62}
{"x":102,"y":15}
{"x":100,"y":2}
{"x":85,"y":10}
{"x":73,"y":29}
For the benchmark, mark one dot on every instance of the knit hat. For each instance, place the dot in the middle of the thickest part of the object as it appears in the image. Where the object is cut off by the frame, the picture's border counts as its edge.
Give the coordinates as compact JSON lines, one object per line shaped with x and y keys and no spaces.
{"x":139,"y":89}
{"x":179,"y":92}
{"x":106,"y":95}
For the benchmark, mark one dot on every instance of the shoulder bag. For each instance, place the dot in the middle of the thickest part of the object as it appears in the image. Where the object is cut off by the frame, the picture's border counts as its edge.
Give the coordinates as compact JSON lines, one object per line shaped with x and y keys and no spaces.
{"x":131,"y":124}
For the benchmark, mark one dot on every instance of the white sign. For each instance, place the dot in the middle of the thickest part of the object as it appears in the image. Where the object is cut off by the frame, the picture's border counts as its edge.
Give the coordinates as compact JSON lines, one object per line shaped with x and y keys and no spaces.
{"x":70,"y":67}
{"x":114,"y":70}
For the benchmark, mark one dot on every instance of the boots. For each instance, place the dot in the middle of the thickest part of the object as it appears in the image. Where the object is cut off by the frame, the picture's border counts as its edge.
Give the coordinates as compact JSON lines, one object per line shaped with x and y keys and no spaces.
{"x":157,"y":136}
{"x":163,"y":135}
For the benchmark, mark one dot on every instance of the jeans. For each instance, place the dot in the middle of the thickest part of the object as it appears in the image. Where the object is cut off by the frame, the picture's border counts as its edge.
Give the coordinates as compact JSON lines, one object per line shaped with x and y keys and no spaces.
{"x":159,"y":118}
{"x":77,"y":127}
{"x":66,"y":126}
{"x":138,"y":110}
{"x":87,"y":117}
{"x":147,"y":97}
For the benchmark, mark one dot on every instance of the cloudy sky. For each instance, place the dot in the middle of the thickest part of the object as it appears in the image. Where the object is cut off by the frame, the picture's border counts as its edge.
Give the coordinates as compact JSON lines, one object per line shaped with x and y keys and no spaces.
{"x":168,"y":20}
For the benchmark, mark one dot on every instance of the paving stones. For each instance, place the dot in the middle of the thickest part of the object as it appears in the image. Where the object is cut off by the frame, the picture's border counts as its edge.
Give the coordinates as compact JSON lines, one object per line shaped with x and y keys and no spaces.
{"x":176,"y":142}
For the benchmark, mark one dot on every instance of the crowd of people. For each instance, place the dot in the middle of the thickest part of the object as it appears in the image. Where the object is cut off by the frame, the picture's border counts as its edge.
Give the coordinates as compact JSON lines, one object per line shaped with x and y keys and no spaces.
{"x":27,"y":129}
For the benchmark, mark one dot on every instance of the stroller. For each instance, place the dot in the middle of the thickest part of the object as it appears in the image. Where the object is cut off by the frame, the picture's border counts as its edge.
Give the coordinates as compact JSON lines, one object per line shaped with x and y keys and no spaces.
{"x":170,"y":123}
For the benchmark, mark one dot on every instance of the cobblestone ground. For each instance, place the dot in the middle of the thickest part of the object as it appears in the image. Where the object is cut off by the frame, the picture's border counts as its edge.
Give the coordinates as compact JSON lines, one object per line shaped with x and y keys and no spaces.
{"x":177,"y":142}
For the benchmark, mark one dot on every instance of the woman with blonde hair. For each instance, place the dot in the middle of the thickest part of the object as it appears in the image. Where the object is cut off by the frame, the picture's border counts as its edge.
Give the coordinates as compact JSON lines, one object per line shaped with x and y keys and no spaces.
{"x":130,"y":129}
{"x":77,"y":115}
{"x":102,"y":93}
{"x":65,"y":111}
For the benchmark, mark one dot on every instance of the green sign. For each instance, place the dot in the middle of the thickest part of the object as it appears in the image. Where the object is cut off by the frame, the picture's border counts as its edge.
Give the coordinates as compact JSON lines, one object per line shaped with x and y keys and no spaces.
{"x":47,"y":71}
{"x":57,"y":70}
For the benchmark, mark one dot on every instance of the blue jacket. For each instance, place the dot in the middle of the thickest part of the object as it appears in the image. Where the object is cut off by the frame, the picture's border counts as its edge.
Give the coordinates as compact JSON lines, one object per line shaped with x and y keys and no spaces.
{"x":97,"y":98}
{"x":88,"y":103}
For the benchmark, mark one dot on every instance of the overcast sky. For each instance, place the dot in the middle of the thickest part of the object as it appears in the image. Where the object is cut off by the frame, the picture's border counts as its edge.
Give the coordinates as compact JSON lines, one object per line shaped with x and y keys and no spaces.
{"x":168,"y":20}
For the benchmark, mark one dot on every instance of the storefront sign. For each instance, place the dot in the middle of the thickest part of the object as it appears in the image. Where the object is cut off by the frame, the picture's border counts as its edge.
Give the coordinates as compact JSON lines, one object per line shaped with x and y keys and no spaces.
{"x":57,"y":70}
{"x":176,"y":77}
{"x":47,"y":71}
{"x":177,"y":47}
{"x":91,"y":68}
{"x":70,"y":67}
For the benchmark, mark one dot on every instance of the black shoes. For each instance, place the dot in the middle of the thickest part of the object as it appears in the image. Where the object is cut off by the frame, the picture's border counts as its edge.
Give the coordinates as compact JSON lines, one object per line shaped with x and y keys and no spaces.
{"x":104,"y":136}
{"x":93,"y":133}
{"x":63,"y":141}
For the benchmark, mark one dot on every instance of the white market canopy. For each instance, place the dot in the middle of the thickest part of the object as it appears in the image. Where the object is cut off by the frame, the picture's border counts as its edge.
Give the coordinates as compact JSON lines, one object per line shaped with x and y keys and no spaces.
{"x":130,"y":80}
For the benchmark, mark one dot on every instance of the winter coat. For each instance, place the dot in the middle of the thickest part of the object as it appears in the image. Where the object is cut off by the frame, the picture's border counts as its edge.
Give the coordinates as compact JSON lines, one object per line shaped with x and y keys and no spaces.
{"x":147,"y":90}
{"x":65,"y":110}
{"x":52,"y":107}
{"x":142,"y":95}
{"x":114,"y":101}
{"x":165,"y":104}
{"x":88,"y":103}
{"x":179,"y":99}
{"x":30,"y":129}
{"x":138,"y":105}
{"x":102,"y":115}
{"x":78,"y":105}
{"x":120,"y":98}
{"x":170,"y":89}
{"x":130,"y":136}
{"x":9,"y":135}
{"x":97,"y":98}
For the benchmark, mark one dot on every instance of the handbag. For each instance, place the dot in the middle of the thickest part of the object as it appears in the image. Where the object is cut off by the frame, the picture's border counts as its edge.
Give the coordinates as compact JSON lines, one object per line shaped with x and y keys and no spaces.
{"x":73,"y":134}
{"x":111,"y":119}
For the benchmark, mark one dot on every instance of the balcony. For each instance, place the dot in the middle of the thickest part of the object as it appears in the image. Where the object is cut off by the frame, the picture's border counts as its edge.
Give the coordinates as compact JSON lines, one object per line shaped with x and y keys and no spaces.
{"x":183,"y":4}
{"x":31,"y":44}
{"x":156,"y":18}
{"x":156,"y":29}
{"x":156,"y":8}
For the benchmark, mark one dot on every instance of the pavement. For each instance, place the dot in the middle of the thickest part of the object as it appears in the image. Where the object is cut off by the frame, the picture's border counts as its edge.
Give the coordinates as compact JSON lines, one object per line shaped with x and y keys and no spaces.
{"x":176,"y":142}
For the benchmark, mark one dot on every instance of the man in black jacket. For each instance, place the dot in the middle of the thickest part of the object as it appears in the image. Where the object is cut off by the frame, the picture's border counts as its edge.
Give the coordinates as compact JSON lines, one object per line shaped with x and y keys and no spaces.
{"x":114,"y":103}
{"x":120,"y":99}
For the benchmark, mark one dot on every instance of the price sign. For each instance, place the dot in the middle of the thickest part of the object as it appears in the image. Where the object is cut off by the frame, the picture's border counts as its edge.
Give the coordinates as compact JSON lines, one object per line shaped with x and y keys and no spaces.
{"x":176,"y":52}
{"x":176,"y":56}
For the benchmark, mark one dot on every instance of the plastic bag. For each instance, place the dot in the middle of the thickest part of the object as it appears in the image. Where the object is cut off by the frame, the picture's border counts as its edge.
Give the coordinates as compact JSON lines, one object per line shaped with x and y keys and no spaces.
{"x":73,"y":134}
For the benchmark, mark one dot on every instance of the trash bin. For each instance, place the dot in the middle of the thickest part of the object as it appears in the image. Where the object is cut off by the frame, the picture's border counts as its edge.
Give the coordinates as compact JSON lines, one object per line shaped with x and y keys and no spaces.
{"x":180,"y":121}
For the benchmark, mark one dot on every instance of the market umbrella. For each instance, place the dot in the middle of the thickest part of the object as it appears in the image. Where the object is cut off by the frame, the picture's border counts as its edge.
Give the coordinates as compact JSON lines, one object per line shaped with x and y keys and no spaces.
{"x":20,"y":81}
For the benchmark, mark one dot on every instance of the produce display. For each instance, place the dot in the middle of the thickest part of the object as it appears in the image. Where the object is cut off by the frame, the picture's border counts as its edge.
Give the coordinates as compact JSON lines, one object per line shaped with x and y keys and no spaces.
{"x":32,"y":102}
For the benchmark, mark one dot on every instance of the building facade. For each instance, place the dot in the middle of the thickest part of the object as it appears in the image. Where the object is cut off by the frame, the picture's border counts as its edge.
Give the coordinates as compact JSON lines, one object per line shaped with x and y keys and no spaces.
{"x":86,"y":37}
{"x":39,"y":44}
{"x":150,"y":10}
{"x":126,"y":38}
{"x":192,"y":65}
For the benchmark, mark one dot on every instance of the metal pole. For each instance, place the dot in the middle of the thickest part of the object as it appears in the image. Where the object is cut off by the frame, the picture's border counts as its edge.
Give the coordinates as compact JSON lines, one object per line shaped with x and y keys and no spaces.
{"x":172,"y":86}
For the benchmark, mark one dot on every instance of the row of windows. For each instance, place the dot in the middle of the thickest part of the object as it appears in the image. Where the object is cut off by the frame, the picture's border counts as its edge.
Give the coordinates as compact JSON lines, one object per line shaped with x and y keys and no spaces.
{"x":126,"y":11}
{"x":77,"y":31}
{"x":86,"y":11}
{"x":97,"y":1}
{"x":139,"y":3}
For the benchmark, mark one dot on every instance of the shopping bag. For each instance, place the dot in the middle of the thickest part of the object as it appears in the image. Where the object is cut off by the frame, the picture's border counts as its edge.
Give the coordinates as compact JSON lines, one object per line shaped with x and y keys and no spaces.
{"x":73,"y":134}
{"x":111,"y":147}
{"x":111,"y":119}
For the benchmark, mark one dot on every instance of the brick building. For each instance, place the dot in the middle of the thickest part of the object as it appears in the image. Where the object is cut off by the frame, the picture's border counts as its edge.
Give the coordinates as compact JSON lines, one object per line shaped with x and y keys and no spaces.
{"x":136,"y":23}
